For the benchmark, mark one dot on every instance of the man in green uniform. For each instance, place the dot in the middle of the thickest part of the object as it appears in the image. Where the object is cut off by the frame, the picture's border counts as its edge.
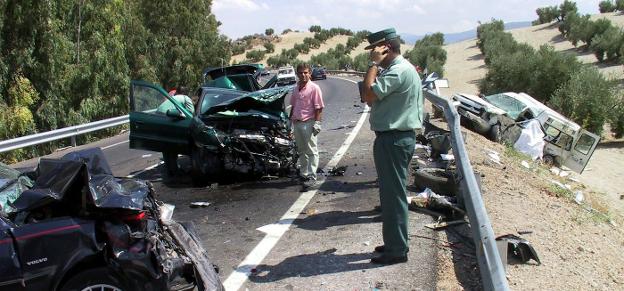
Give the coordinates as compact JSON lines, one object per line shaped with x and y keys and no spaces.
{"x":396,"y":101}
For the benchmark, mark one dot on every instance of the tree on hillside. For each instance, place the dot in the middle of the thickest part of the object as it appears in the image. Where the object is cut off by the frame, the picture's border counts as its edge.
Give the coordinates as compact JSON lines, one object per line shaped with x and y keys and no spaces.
{"x":428,"y":53}
{"x":587,"y":99}
{"x":315,"y":28}
{"x":547,"y":14}
{"x":619,"y":5}
{"x":269,"y":47}
{"x":269,"y":31}
{"x":606,"y":6}
{"x":566,"y":8}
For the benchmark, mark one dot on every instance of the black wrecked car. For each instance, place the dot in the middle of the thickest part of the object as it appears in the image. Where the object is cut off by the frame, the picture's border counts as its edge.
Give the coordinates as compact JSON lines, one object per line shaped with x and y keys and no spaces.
{"x":231,"y":130}
{"x":72,"y":225}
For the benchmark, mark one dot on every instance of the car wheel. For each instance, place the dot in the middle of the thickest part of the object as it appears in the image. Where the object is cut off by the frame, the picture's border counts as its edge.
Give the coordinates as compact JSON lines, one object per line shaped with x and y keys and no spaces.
{"x":102,"y":279}
{"x":495,"y":133}
{"x":548,"y":160}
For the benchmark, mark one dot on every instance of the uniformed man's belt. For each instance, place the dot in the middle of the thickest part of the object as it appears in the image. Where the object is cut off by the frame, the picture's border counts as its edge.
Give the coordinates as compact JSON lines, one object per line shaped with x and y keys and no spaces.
{"x":416,"y":130}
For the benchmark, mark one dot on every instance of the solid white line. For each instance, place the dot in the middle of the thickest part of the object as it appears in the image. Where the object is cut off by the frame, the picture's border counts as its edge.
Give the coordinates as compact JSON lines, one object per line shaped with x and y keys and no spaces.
{"x":275,"y":231}
{"x":146,"y":169}
{"x":115,"y":144}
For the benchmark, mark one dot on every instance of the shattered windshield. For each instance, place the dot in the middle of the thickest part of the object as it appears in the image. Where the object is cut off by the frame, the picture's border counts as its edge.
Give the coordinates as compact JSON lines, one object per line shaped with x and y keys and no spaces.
{"x":511,"y":105}
{"x":213,"y":98}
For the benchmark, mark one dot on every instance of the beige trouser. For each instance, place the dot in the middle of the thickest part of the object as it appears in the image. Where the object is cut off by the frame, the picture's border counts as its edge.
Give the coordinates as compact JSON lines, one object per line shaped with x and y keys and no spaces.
{"x":306,"y":147}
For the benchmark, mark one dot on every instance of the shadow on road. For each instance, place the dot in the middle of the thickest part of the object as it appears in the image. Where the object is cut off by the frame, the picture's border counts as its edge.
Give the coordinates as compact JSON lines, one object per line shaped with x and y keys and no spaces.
{"x":308,"y":265}
{"x":329,"y":219}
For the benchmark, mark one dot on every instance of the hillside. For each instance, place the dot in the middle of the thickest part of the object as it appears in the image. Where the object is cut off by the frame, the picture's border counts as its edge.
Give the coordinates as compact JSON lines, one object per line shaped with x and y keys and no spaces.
{"x":579,"y":248}
{"x":290,"y":39}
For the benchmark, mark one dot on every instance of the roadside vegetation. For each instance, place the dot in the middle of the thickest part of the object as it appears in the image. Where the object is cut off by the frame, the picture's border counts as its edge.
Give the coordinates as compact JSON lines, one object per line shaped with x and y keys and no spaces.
{"x":559,"y":80}
{"x":67,"y":62}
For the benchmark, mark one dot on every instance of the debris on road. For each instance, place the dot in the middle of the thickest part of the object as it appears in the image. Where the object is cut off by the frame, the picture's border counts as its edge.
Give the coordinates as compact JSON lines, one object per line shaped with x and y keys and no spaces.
{"x":525,"y":164}
{"x":578,"y":197}
{"x":311,"y":211}
{"x":199,"y":204}
{"x":520,"y":248}
{"x":338,"y":171}
{"x":493,"y":156}
{"x":443,"y":224}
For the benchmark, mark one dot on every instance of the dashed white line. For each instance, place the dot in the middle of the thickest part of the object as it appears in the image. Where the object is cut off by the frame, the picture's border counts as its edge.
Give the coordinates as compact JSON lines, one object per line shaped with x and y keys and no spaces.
{"x":275,"y":231}
{"x":144,"y":170}
{"x":115,"y":144}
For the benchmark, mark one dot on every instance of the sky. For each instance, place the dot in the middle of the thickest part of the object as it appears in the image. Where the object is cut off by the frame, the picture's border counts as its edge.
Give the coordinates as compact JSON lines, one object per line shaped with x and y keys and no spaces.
{"x":417,"y":17}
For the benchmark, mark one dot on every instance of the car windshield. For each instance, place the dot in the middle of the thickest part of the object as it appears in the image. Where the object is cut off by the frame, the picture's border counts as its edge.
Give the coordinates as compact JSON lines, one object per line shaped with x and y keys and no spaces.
{"x":511,"y":105}
{"x":283,"y":72}
{"x":212,"y":98}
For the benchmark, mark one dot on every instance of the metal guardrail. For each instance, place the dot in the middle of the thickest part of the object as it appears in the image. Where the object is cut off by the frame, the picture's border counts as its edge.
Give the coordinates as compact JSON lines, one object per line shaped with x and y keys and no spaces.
{"x":490,"y":264}
{"x":361,"y":74}
{"x":72,"y":132}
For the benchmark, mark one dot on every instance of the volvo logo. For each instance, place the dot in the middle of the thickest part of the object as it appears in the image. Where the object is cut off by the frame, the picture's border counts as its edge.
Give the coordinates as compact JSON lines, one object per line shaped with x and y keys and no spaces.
{"x":37,"y":261}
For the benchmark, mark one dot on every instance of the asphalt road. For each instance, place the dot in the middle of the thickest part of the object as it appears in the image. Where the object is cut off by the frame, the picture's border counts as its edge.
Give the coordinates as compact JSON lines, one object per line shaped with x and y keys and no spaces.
{"x":267,"y":235}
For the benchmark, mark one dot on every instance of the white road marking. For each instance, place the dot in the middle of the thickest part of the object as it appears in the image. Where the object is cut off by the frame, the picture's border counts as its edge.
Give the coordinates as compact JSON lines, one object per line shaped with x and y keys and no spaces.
{"x":275,"y":231}
{"x":144,"y":170}
{"x":115,"y":144}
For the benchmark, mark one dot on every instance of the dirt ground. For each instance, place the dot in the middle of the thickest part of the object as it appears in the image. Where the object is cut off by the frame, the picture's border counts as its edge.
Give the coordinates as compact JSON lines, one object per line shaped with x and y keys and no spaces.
{"x":579,"y":244}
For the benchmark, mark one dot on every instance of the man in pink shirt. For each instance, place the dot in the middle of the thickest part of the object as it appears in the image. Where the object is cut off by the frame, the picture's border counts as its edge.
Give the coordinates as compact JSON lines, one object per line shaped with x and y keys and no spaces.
{"x":305,"y":114}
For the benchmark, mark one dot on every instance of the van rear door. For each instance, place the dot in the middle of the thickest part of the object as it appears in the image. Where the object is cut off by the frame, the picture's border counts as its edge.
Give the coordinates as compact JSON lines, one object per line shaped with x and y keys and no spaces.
{"x":582,"y":149}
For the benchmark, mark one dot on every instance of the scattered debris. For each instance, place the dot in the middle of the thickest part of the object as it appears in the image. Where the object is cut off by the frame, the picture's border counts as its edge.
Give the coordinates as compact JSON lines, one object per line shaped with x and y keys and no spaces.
{"x":367,"y":243}
{"x":359,"y":173}
{"x":199,"y":204}
{"x":525,"y":231}
{"x":447,"y":157}
{"x":559,"y":172}
{"x":493,"y":155}
{"x":443,"y":224}
{"x":578,"y":197}
{"x":146,"y":156}
{"x":561,"y":185}
{"x":311,"y":211}
{"x":430,"y":200}
{"x":525,"y":164}
{"x":520,"y":248}
{"x":338,"y":171}
{"x":621,"y":197}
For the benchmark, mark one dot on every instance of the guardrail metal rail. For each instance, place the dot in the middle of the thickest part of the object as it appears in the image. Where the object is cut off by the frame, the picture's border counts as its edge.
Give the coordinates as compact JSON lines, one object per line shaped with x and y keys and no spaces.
{"x":71,"y":132}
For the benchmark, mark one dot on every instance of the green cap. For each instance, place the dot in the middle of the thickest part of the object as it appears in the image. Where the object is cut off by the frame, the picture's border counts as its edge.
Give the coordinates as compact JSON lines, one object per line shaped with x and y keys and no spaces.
{"x":380,"y":36}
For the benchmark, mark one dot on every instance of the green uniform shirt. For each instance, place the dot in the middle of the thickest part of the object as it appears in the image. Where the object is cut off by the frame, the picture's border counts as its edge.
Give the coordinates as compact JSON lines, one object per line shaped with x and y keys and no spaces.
{"x":399,"y":104}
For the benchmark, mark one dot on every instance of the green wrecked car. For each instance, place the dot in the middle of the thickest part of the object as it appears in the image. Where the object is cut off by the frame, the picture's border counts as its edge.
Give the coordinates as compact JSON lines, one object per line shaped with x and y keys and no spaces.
{"x":237,"y":125}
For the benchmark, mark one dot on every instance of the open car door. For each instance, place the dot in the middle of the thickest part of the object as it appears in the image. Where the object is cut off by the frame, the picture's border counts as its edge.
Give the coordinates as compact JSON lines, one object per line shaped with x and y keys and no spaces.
{"x":582,"y":150}
{"x":154,"y":126}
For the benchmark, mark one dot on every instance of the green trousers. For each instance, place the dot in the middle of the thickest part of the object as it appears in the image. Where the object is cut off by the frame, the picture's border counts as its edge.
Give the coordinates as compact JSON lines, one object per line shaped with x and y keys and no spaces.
{"x":393,"y":152}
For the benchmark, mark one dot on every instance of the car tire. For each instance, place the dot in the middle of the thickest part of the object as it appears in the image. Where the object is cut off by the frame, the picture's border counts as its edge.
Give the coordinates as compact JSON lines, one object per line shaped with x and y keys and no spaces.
{"x":440,"y":181}
{"x":206,"y":167}
{"x":548,"y":160}
{"x":495,"y":133}
{"x":102,"y":278}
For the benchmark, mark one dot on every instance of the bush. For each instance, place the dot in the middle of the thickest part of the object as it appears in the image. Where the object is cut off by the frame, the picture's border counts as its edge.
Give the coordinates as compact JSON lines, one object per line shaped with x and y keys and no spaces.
{"x":587,"y":98}
{"x":269,"y":31}
{"x":286,"y":31}
{"x":619,"y":5}
{"x":269,"y":47}
{"x":302,"y":48}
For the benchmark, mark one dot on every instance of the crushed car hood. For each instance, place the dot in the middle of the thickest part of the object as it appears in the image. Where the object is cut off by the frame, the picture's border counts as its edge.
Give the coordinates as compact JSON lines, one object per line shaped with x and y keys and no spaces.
{"x":60,"y":179}
{"x":269,"y":101}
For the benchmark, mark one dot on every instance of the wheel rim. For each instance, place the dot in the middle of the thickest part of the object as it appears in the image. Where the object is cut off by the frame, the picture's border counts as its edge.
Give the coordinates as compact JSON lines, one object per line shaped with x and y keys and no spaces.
{"x":101,"y":287}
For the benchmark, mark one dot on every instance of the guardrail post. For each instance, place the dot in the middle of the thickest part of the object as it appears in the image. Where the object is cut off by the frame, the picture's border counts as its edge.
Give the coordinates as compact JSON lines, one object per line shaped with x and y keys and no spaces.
{"x":73,"y":141}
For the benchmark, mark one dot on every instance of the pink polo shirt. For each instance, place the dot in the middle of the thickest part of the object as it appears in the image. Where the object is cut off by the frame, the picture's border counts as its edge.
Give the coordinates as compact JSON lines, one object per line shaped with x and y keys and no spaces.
{"x":305,"y":101}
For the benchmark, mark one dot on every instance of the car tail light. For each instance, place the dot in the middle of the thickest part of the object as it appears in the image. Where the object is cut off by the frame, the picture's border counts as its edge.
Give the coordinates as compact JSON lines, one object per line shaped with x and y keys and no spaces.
{"x":134,"y":217}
